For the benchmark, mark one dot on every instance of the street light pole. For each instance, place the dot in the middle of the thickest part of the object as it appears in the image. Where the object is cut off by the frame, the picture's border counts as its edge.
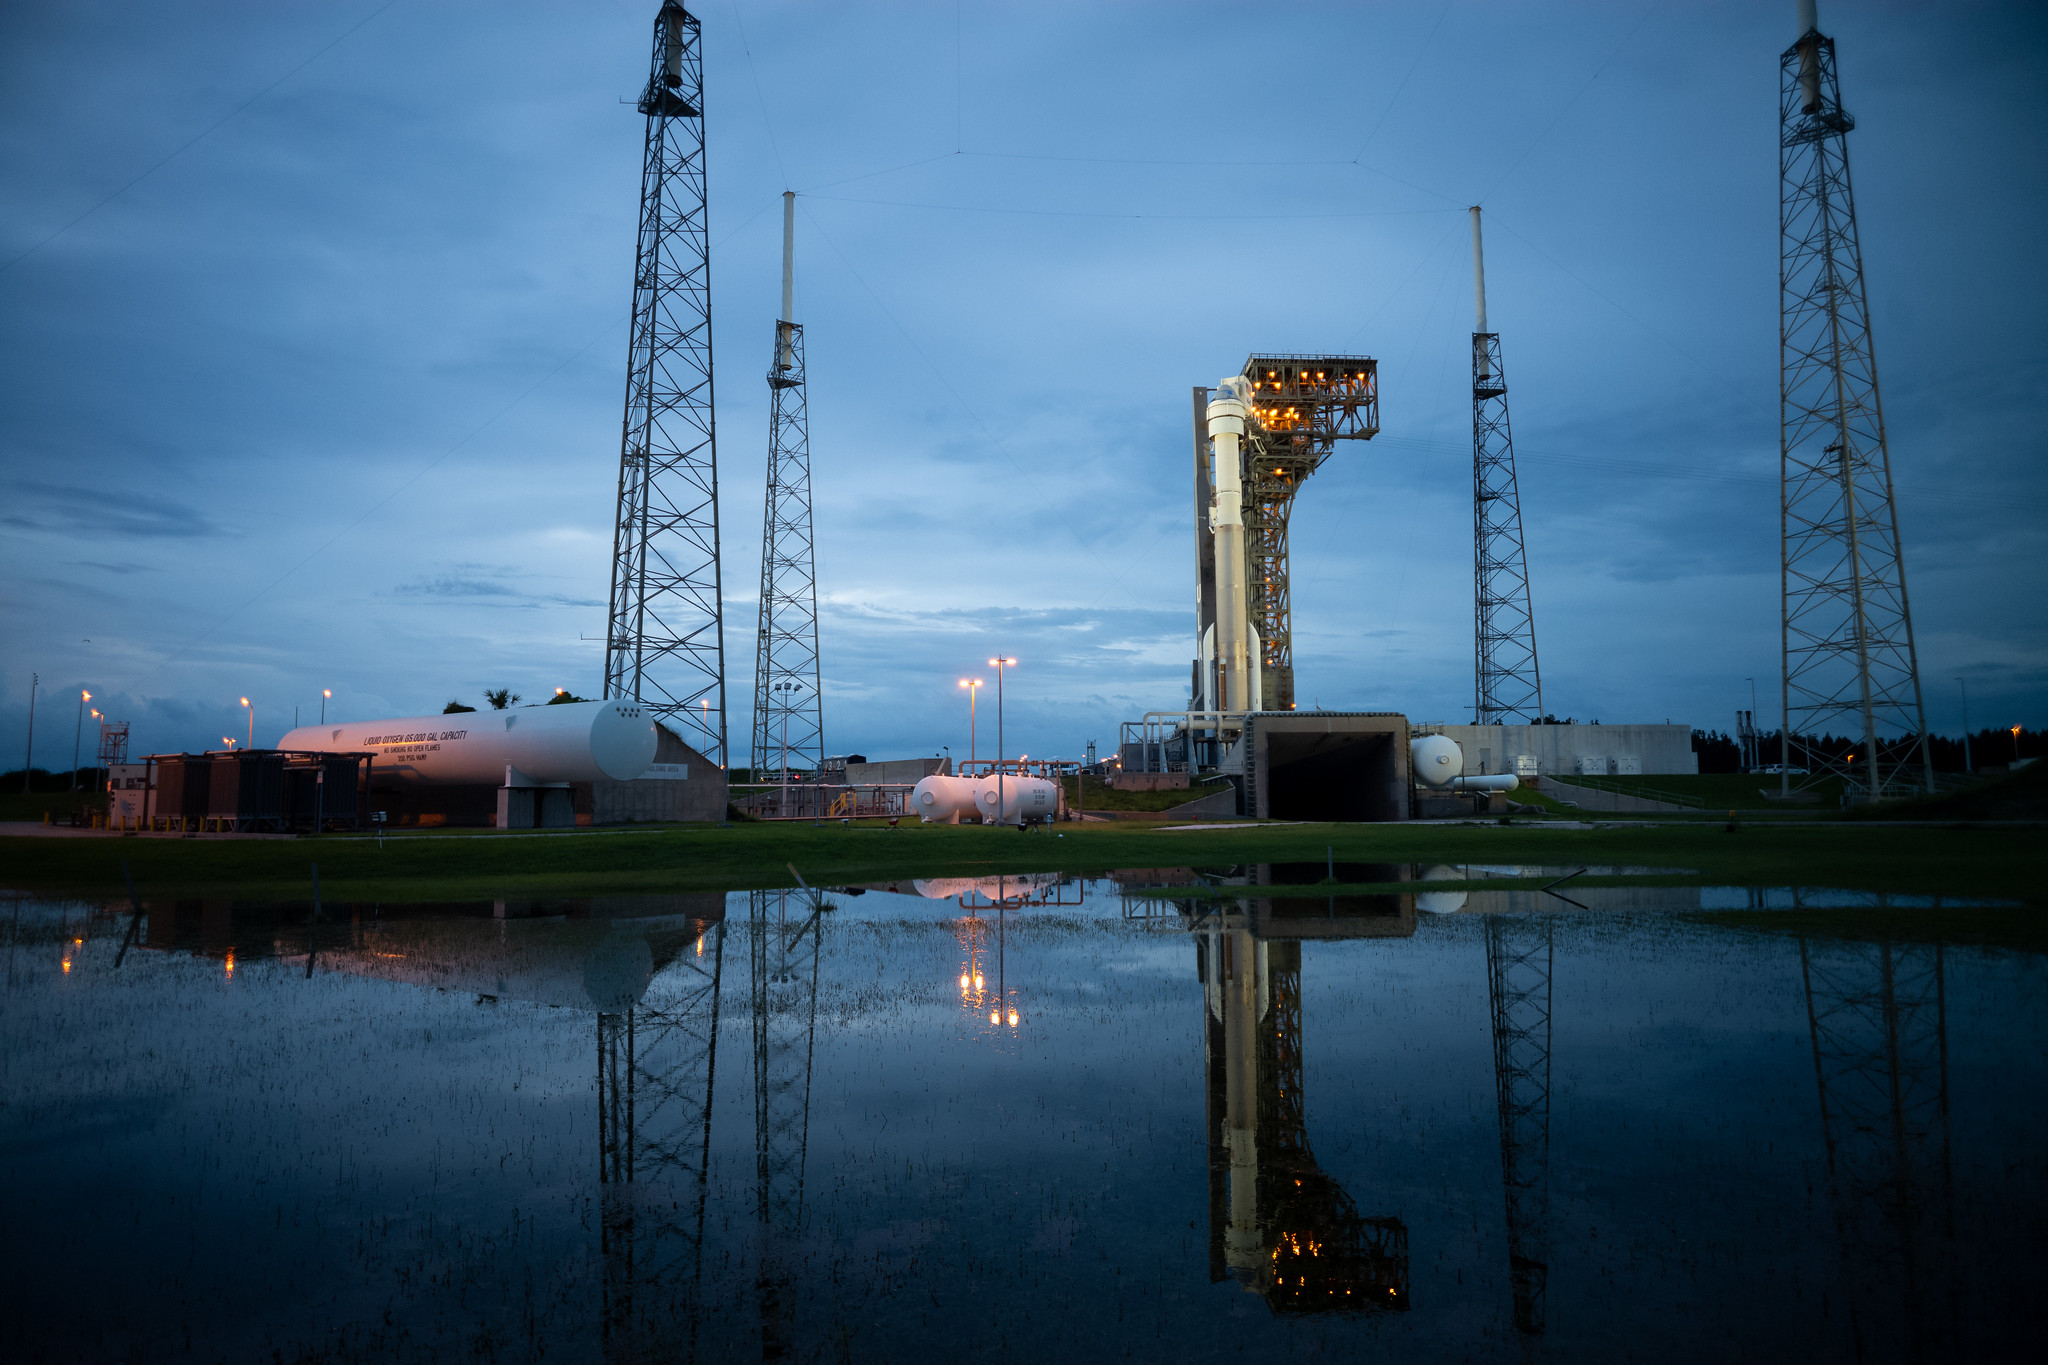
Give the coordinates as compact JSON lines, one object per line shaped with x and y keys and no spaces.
{"x":1000,"y":664}
{"x":1967,"y":767}
{"x":77,"y":731}
{"x":28,"y":761}
{"x":973,"y":686}
{"x":252,"y":721}
{"x":325,"y":693}
{"x":1755,"y":757}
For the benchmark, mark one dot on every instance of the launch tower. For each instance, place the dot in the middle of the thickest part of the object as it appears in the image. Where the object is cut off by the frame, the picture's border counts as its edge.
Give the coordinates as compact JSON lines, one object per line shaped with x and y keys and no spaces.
{"x":1846,"y":631}
{"x":1507,"y":688}
{"x":788,"y":712}
{"x":1297,"y":408}
{"x":665,"y":639}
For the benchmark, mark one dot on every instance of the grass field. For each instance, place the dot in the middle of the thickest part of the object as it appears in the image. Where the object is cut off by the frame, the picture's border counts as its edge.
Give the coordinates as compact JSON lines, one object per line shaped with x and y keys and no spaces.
{"x":1984,"y":861}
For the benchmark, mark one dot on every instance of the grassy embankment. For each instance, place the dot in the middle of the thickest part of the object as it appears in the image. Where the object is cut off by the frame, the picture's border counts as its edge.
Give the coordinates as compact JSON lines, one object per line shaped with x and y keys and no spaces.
{"x":1985,"y":862}
{"x":1097,"y":797}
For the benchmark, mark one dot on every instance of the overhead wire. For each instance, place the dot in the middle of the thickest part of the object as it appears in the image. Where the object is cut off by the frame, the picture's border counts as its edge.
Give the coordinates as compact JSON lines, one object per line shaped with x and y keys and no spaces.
{"x":419,"y":474}
{"x":973,"y":416}
{"x":1154,"y":217}
{"x":194,"y":140}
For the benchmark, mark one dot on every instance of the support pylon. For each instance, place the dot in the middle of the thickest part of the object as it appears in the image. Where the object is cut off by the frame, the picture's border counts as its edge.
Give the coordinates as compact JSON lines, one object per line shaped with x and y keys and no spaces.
{"x":1507,"y":686}
{"x":665,"y":638}
{"x":1846,"y":630}
{"x":789,"y":718}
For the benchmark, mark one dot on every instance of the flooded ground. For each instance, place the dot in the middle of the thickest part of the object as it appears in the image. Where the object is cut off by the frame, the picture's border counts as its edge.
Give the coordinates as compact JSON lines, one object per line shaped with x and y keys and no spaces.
{"x":1030,"y":1119}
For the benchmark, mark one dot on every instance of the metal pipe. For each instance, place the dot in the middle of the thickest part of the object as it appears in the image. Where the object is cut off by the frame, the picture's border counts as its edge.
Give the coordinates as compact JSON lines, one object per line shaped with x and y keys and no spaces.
{"x":789,"y":255}
{"x":1808,"y":43}
{"x":1478,"y":273}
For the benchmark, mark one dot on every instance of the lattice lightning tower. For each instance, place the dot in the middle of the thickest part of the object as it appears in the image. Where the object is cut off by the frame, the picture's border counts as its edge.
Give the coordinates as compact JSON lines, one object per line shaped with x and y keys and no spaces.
{"x":1507,"y":688}
{"x":1847,"y":632}
{"x":665,"y":641}
{"x":788,"y":712}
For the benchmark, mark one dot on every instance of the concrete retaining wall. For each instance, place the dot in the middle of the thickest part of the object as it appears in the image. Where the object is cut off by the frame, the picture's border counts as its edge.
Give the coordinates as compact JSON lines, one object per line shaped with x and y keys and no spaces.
{"x":699,"y":793}
{"x":1565,"y":750}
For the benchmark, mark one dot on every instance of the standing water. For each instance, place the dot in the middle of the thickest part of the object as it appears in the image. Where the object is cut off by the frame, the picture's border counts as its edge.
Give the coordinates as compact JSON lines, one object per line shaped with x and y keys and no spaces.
{"x":1019,"y":1119}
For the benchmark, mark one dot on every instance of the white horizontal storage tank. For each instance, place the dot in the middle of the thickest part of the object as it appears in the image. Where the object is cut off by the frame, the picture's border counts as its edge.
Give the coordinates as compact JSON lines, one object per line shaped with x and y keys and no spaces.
{"x":944,"y":799}
{"x":530,"y":746}
{"x":1435,"y":760}
{"x":1026,"y":800}
{"x":953,"y":799}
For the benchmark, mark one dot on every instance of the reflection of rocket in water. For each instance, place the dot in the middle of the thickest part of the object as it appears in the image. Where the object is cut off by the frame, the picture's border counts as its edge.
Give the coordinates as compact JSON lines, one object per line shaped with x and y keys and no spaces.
{"x":1278,"y":1224}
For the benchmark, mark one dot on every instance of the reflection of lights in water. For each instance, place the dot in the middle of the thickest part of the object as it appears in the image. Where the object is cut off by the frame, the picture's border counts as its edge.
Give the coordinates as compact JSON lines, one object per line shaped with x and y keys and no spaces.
{"x":700,"y":945}
{"x":67,"y":962}
{"x":977,"y":981}
{"x":231,"y":962}
{"x":1013,"y":1018}
{"x":993,"y":1017}
{"x":963,"y":982}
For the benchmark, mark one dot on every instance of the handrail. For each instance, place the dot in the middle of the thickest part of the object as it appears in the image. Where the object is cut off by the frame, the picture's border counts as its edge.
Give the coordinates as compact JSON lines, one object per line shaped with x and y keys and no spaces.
{"x":1602,"y":784}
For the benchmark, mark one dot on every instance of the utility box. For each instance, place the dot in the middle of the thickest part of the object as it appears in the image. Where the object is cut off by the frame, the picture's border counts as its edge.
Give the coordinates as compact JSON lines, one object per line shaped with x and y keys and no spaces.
{"x":1590,"y":765}
{"x":1526,"y":766}
{"x":128,"y":794}
{"x":1628,"y":765}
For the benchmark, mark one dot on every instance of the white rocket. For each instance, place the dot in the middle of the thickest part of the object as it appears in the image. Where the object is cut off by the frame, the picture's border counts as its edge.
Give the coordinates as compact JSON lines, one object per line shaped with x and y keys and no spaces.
{"x":1235,"y":657}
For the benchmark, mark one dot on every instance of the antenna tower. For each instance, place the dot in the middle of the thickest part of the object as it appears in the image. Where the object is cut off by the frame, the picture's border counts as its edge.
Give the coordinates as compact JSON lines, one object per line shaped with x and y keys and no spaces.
{"x":788,"y":712}
{"x":665,"y":641}
{"x":1847,"y":632}
{"x":1507,"y":688}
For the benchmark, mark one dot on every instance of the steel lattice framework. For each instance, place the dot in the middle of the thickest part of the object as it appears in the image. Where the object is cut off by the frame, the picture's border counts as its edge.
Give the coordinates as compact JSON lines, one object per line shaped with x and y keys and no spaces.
{"x":657,"y":1063}
{"x":1304,"y":404}
{"x":1878,"y":1017}
{"x":665,"y":641}
{"x":1849,"y":660}
{"x":788,"y":710}
{"x":1507,"y":686}
{"x":783,"y":933}
{"x":1518,"y":963}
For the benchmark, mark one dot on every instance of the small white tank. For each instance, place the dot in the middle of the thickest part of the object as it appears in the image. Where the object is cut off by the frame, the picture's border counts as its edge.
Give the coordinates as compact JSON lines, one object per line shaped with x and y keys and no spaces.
{"x":1435,"y":759}
{"x":944,"y":800}
{"x":1026,"y":800}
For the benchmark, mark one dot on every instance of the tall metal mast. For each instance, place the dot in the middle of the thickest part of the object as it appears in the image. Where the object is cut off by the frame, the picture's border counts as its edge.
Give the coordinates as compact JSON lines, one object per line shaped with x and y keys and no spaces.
{"x":1847,"y":631}
{"x":665,"y":641}
{"x":789,"y":714}
{"x":1507,"y":688}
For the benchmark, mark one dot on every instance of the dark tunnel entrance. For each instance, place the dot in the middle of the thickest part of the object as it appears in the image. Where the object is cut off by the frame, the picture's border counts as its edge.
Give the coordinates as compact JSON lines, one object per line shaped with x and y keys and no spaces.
{"x":1330,"y":767}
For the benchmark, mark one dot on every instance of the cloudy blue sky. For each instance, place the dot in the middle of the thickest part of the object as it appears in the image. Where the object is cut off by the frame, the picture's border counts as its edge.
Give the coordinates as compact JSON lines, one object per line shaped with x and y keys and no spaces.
{"x":312,"y":337}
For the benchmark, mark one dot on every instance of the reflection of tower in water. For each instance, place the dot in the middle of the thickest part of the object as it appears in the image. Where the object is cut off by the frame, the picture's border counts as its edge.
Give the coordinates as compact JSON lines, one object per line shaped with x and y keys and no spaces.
{"x":656,"y":1063}
{"x":1878,"y":1019}
{"x":1278,"y":1225}
{"x":1518,"y":963}
{"x":784,"y":928}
